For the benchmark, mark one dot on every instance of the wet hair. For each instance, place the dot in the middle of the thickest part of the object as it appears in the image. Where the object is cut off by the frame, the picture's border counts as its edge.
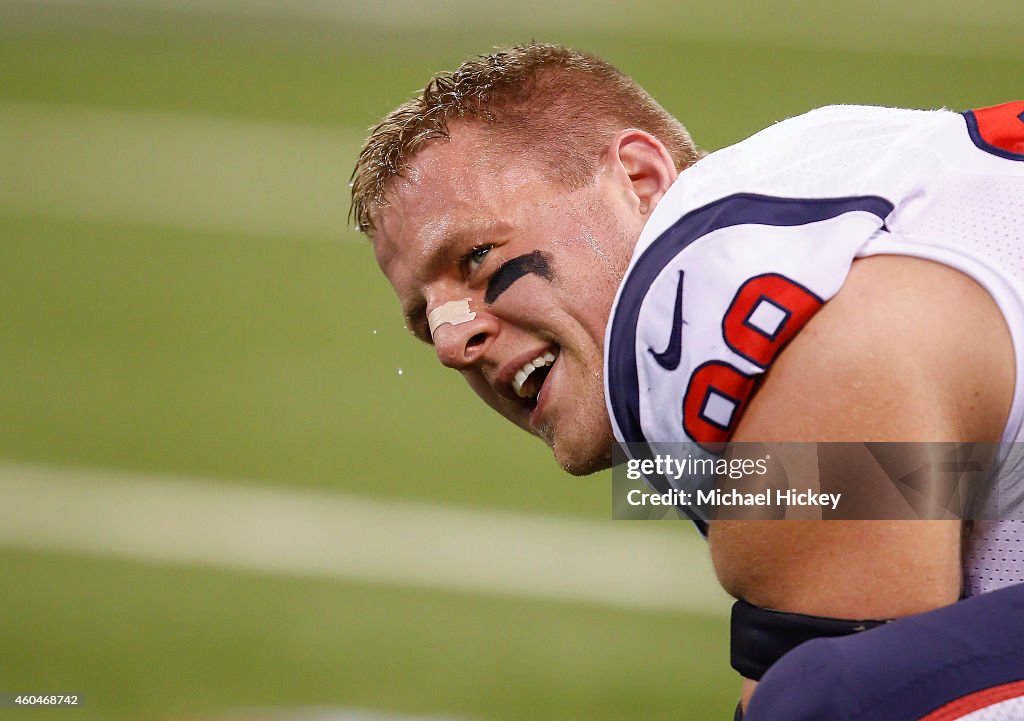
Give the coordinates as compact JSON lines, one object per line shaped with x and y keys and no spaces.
{"x":560,"y":106}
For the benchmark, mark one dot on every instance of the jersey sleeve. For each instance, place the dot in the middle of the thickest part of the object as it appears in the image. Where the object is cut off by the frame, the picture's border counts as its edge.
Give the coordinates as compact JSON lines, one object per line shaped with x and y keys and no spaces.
{"x":709,"y":304}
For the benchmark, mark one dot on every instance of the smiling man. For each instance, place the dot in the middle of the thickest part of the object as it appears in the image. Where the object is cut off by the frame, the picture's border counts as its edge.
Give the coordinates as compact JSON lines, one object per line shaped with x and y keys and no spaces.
{"x":491,"y":227}
{"x":853,"y":274}
{"x":492,"y":187}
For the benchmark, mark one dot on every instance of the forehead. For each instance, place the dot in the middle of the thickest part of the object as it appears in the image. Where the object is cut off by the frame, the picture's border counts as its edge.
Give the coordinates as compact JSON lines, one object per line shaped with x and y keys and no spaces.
{"x":467,"y":185}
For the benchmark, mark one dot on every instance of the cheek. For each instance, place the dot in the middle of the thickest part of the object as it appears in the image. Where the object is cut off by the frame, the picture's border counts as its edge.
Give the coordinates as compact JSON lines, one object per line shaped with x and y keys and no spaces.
{"x":478,"y":384}
{"x":586,"y":291}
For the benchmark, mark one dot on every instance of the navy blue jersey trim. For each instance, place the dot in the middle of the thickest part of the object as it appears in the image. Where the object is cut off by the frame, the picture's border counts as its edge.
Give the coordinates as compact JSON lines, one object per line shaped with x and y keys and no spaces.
{"x":739,"y":209}
{"x":972,"y":130}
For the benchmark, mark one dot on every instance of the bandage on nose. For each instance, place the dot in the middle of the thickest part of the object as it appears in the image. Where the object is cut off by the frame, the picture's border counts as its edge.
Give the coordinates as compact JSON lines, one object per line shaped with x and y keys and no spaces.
{"x":454,"y":312}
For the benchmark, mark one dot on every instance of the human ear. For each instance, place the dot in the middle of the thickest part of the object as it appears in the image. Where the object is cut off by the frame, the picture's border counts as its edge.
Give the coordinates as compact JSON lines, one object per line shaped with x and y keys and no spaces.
{"x":642,"y":165}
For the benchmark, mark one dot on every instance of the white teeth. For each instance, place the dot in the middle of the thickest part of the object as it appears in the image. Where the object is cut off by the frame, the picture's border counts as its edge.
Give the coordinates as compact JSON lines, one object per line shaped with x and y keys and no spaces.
{"x":521,"y":375}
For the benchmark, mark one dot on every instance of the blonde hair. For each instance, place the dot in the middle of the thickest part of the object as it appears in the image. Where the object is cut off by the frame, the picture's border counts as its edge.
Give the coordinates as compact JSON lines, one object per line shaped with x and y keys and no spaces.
{"x":559,"y":105}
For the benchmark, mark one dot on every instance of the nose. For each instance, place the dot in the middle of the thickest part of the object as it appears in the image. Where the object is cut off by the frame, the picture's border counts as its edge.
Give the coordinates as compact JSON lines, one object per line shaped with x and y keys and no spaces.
{"x":460,"y":346}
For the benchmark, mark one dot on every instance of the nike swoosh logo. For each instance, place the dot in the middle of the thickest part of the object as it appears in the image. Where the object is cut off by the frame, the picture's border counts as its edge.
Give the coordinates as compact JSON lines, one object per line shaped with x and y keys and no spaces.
{"x":673,"y":353}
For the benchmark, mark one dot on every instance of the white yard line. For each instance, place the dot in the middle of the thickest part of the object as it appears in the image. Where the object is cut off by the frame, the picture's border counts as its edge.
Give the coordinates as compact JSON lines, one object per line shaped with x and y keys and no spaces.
{"x":176,"y":171}
{"x":196,"y":522}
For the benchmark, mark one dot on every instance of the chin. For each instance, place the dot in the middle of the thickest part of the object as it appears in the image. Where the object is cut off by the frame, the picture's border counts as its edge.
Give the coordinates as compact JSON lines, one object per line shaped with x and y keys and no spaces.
{"x":583,"y":456}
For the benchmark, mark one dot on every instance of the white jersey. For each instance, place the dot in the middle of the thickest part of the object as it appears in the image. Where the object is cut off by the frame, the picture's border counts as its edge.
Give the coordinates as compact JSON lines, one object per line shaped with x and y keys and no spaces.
{"x":752,"y":240}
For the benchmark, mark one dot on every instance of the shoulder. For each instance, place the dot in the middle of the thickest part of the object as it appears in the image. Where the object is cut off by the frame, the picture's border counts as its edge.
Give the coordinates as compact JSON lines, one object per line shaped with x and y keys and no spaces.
{"x":907,"y":350}
{"x":765,"y":233}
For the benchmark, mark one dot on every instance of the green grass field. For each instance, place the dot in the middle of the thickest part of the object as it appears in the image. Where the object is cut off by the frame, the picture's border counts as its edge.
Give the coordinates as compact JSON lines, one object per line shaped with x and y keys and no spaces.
{"x":180,"y":294}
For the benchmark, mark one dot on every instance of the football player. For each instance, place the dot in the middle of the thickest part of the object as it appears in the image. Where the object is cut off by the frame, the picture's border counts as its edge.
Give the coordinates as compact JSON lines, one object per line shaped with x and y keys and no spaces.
{"x":852,"y":274}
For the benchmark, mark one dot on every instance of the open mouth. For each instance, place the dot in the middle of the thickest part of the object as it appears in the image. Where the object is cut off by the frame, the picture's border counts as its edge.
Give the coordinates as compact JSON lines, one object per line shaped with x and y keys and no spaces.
{"x":530,"y":378}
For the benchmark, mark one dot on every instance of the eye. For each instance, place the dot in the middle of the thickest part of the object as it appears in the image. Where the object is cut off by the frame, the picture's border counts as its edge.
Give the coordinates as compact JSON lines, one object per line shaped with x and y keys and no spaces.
{"x":474,"y":258}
